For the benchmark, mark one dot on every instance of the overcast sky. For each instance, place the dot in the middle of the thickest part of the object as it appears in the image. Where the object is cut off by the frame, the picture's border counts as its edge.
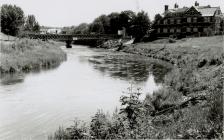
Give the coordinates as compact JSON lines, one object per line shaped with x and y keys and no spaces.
{"x":73,"y":12}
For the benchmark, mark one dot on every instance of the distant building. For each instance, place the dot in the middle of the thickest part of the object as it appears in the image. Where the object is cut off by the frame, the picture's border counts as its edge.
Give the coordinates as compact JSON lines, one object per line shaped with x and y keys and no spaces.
{"x":50,"y":30}
{"x":189,"y":21}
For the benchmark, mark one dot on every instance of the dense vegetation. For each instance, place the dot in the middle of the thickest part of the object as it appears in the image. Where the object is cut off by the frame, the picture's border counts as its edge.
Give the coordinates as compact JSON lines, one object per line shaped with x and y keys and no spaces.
{"x":13,"y":20}
{"x":135,"y":25}
{"x":24,"y":55}
{"x":31,"y":24}
{"x":189,"y":106}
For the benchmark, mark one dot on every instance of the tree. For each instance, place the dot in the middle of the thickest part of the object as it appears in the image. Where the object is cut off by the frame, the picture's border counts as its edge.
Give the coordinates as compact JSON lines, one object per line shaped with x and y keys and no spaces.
{"x":12,"y":19}
{"x":140,"y":26}
{"x":31,"y":24}
{"x":101,"y":25}
{"x":114,"y":23}
{"x":126,"y":19}
{"x":82,"y":28}
{"x":157,"y":17}
{"x":96,"y":27}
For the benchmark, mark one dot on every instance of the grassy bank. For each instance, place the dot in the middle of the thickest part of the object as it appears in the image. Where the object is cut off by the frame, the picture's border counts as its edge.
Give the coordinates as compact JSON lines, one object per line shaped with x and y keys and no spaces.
{"x":24,"y":55}
{"x":189,"y":106}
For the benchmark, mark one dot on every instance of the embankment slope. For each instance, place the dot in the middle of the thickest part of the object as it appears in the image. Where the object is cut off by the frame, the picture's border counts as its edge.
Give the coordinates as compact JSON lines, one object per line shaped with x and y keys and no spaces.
{"x":23,"y":55}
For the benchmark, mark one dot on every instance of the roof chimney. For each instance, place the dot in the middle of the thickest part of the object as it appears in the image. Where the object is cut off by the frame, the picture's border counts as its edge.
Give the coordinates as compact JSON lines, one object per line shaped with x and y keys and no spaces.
{"x":166,"y":8}
{"x":176,"y":6}
{"x":196,"y":3}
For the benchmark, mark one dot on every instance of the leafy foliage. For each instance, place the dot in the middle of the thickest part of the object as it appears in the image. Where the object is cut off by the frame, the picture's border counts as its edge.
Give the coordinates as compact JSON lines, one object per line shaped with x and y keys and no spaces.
{"x":99,"y":125}
{"x":12,"y":19}
{"x":140,"y":25}
{"x":31,"y":24}
{"x":157,"y":17}
{"x":135,"y":25}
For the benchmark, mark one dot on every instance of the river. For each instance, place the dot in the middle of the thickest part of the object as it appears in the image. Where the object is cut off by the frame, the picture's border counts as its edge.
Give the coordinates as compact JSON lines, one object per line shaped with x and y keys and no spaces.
{"x":34,"y":105}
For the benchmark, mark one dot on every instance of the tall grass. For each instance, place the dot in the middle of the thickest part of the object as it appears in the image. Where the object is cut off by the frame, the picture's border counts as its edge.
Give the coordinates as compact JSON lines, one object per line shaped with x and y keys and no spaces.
{"x":26,"y":55}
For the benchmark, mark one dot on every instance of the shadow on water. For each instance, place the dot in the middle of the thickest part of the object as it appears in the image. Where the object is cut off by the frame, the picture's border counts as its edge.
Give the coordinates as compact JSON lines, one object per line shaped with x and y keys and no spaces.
{"x":130,"y":67}
{"x":10,"y":79}
{"x":15,"y":78}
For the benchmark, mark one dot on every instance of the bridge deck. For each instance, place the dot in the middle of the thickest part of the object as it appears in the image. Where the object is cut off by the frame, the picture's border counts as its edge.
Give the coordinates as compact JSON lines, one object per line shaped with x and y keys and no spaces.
{"x":65,"y":37}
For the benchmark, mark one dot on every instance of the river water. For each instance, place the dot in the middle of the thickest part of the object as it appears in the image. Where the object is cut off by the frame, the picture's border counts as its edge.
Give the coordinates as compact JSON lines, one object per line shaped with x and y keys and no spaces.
{"x":34,"y":105}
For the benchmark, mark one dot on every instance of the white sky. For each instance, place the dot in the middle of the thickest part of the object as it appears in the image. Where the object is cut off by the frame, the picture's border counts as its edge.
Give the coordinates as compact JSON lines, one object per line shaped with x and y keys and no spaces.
{"x":73,"y":12}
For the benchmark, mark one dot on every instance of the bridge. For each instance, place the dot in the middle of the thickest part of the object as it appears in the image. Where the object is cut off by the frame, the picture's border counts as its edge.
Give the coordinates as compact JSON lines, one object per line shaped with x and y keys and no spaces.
{"x":69,"y":38}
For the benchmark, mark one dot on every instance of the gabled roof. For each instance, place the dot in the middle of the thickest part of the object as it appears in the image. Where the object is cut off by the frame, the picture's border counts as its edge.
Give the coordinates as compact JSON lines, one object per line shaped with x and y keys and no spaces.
{"x":178,"y":10}
{"x":207,"y":11}
{"x":204,"y":10}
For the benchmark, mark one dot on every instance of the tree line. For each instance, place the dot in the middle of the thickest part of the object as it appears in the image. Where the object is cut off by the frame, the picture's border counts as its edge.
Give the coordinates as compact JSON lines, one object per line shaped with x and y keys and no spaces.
{"x":14,"y":21}
{"x":134,"y":24}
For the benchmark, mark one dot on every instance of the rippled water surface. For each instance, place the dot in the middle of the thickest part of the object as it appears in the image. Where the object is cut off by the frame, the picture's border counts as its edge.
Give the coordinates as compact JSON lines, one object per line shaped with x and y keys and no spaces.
{"x":34,"y":105}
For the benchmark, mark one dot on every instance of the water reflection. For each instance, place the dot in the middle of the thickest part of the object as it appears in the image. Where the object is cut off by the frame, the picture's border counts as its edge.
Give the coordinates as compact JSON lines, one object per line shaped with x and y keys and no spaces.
{"x":10,"y":79}
{"x":129,"y":69}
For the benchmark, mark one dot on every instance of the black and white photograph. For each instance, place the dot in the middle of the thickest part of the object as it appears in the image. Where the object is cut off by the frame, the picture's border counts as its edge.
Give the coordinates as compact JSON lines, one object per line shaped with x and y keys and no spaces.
{"x":111,"y":69}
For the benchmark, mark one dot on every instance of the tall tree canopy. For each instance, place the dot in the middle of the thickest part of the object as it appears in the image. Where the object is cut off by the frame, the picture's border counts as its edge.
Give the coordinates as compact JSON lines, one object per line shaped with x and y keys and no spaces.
{"x":114,"y":23}
{"x":82,"y":28}
{"x":12,"y":19}
{"x":140,"y":25}
{"x":135,"y":25}
{"x":157,"y":17}
{"x":101,"y":25}
{"x":31,"y":24}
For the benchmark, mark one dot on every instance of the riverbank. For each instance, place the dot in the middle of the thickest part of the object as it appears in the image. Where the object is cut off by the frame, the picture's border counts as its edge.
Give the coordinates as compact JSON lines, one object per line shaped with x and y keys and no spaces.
{"x":189,"y":106}
{"x":24,"y":55}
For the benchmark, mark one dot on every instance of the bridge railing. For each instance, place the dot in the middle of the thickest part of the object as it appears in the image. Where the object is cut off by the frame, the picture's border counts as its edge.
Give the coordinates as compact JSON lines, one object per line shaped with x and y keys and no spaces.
{"x":70,"y":36}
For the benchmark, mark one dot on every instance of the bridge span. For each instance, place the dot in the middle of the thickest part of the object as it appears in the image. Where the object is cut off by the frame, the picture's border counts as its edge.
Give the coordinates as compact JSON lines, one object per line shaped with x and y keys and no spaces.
{"x":69,"y":38}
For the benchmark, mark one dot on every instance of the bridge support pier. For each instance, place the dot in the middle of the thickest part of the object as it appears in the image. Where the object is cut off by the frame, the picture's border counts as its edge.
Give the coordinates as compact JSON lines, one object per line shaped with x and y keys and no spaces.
{"x":69,"y":44}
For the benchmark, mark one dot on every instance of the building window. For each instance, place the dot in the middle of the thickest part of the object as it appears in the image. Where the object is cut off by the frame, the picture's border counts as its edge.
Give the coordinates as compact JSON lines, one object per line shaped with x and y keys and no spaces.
{"x":195,"y":29}
{"x":206,"y":19}
{"x":171,"y":21}
{"x":158,"y":30}
{"x":165,"y":21}
{"x":178,"y":30}
{"x":172,"y":30}
{"x":178,"y":21}
{"x":189,"y":20}
{"x":205,"y":30}
{"x":188,"y":29}
{"x":158,"y":22}
{"x":165,"y":30}
{"x":194,"y":19}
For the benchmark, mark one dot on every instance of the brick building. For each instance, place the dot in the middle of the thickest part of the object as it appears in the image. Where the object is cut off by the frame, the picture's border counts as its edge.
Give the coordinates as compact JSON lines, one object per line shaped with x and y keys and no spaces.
{"x":189,"y":21}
